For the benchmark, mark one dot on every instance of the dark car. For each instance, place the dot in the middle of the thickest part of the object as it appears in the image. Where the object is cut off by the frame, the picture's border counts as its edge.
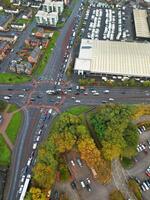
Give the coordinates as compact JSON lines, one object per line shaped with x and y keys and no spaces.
{"x":79,"y":162}
{"x":10,"y":89}
{"x":73,"y":185}
{"x":56,"y":195}
{"x":88,"y":188}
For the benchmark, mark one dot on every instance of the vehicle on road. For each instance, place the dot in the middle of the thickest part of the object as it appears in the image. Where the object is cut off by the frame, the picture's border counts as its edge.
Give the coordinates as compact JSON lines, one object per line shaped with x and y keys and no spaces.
{"x":72,"y":162}
{"x":73,"y":185}
{"x":21,"y":95}
{"x":6,"y":97}
{"x":34,"y":145}
{"x":79,"y":162}
{"x":82,"y":184}
{"x":106,"y":91}
{"x":77,"y":101}
{"x":25,"y":187}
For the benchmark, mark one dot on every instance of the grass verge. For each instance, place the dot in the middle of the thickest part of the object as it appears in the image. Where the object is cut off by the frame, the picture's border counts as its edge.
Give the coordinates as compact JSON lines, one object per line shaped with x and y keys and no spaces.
{"x":77,"y":110}
{"x":14,"y":126}
{"x":13,"y":78}
{"x":4,"y":153}
{"x":12,"y":108}
{"x":46,"y":54}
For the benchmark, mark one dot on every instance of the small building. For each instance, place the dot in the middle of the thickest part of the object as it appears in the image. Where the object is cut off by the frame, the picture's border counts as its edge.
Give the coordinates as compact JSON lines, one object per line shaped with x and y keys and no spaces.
{"x":8,"y":38}
{"x":18,"y":26}
{"x":34,"y":56}
{"x":141,"y":23}
{"x":4,"y":49}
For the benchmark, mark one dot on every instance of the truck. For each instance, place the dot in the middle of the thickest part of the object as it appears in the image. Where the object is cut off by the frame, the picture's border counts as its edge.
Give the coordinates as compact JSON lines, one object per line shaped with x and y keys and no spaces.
{"x":25,"y":187}
{"x":94,"y":172}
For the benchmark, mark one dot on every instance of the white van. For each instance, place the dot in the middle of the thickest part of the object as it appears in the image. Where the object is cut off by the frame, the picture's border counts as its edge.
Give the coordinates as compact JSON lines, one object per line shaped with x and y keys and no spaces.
{"x":82,"y":184}
{"x":34,"y":145}
{"x":50,"y":111}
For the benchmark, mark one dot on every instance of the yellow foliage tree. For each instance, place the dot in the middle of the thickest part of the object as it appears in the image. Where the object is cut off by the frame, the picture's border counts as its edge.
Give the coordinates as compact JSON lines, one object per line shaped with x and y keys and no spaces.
{"x":37,"y":194}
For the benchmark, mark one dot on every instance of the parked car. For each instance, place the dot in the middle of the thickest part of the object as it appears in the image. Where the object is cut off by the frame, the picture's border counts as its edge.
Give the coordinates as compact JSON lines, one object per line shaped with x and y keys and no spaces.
{"x":79,"y":162}
{"x":72,"y":162}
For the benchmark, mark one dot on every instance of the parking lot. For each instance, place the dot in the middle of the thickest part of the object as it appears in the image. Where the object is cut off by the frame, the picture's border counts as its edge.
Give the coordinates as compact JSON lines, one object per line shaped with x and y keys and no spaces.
{"x":83,"y":181}
{"x":105,"y":23}
{"x":142,"y":162}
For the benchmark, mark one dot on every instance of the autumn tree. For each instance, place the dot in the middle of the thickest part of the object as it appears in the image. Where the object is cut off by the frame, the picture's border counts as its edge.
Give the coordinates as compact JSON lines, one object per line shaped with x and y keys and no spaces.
{"x":43,"y":175}
{"x":93,"y":158}
{"x":64,"y":141}
{"x":37,"y":194}
{"x":116,"y":195}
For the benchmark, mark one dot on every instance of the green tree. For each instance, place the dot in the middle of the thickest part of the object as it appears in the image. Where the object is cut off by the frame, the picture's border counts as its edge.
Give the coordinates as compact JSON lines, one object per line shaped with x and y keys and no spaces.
{"x":3,"y":105}
{"x":131,"y":138}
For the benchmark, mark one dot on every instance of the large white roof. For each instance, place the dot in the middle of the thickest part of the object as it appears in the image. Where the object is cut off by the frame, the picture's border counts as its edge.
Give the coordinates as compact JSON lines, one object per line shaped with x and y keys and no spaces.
{"x":111,"y":57}
{"x":141,"y":24}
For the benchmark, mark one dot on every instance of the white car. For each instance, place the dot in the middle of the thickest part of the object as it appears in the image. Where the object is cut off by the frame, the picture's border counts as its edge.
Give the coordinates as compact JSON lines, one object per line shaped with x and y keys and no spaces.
{"x":21,"y":95}
{"x":111,"y":99}
{"x":106,"y":91}
{"x":72,"y":162}
{"x":96,"y":94}
{"x":20,"y":189}
{"x":6,"y":97}
{"x":38,"y":138}
{"x":50,"y":91}
{"x":58,"y":97}
{"x":22,"y":178}
{"x":34,"y":145}
{"x":77,"y":101}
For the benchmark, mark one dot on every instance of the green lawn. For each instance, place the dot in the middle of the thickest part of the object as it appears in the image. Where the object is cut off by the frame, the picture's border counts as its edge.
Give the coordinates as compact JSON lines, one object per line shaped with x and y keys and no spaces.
{"x":77,"y":110}
{"x":14,"y":126}
{"x":12,"y":108}
{"x":4,"y":153}
{"x":13,"y":78}
{"x":22,"y":21}
{"x":47,"y":54}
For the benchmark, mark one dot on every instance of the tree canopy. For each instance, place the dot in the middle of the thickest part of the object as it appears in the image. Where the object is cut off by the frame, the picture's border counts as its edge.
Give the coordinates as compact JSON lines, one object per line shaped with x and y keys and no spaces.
{"x":114,"y":130}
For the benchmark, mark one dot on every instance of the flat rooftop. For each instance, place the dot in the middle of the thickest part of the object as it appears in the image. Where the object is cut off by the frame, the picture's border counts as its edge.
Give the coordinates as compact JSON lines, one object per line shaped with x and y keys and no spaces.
{"x":111,"y":57}
{"x":141,"y":23}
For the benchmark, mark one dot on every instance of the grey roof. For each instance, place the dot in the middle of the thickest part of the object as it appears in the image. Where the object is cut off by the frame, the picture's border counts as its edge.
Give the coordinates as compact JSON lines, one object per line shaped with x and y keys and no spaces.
{"x":4,"y":19}
{"x":35,"y":52}
{"x":111,"y":57}
{"x":3,"y":44}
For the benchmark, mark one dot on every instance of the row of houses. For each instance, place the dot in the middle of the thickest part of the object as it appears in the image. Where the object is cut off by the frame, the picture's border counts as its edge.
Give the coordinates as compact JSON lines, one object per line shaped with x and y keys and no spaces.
{"x":6,"y":41}
{"x":29,"y":56}
{"x":4,"y":49}
{"x":26,"y":66}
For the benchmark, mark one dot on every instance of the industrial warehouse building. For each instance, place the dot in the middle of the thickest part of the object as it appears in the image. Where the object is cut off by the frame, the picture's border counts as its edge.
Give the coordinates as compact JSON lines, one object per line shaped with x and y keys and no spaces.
{"x":142,"y":23}
{"x":99,"y":57}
